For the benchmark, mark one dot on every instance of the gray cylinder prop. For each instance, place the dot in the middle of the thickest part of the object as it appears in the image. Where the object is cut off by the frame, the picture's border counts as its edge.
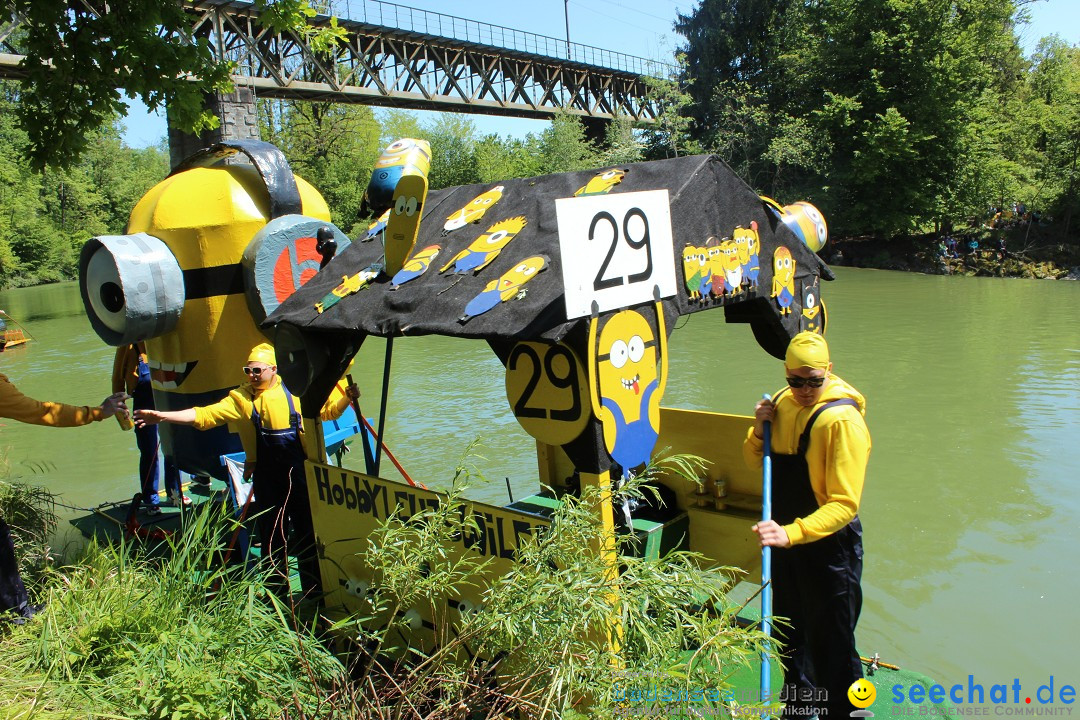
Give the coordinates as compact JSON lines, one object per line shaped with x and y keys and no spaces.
{"x":280,"y":258}
{"x":132,"y":287}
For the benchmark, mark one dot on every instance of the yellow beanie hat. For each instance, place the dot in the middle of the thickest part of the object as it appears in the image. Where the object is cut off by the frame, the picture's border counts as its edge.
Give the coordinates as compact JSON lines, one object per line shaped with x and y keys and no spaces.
{"x":264,"y":353}
{"x":807,"y":349}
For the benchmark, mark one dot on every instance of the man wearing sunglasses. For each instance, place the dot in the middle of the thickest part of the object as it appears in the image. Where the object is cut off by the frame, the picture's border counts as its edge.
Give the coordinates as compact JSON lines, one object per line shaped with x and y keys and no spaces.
{"x":820,"y":447}
{"x":268,"y":417}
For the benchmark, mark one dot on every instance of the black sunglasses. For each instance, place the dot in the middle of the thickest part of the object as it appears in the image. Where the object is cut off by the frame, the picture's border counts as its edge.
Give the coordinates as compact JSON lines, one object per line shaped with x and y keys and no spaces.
{"x":256,"y":371}
{"x":798,"y":382}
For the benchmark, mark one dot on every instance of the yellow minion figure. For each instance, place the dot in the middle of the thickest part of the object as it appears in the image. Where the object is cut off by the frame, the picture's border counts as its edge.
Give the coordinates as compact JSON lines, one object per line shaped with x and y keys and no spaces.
{"x":813,"y":312}
{"x":783,"y":284}
{"x":484,"y":249}
{"x":506,"y":287}
{"x":176,"y":282}
{"x":475,"y":210}
{"x":627,"y":377}
{"x":601,"y":183}
{"x":692,"y":271}
{"x":749,"y":246}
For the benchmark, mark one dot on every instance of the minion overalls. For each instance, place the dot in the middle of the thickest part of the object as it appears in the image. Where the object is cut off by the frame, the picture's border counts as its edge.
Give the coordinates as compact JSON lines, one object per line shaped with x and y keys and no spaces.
{"x":816,"y":586}
{"x":281,"y":499}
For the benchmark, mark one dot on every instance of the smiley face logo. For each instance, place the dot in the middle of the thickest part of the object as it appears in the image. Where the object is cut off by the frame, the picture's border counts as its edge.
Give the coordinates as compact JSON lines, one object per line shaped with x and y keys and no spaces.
{"x":862,"y":693}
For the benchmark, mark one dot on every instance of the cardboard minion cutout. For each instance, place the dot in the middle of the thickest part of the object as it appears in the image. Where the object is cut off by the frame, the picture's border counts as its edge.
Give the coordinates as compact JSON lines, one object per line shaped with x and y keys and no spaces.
{"x":507,"y":287}
{"x":694,"y":269}
{"x":407,"y":202}
{"x":417,"y":265}
{"x":748,"y":245}
{"x":474,"y":211}
{"x":602,"y":183}
{"x":377,"y":226}
{"x":783,"y":286}
{"x":484,"y":249}
{"x":627,"y":376}
{"x":813,"y":312}
{"x":206,"y":248}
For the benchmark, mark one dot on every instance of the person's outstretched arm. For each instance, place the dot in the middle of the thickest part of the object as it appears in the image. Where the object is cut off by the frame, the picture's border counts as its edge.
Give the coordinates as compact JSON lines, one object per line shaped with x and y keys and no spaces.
{"x":15,"y":405}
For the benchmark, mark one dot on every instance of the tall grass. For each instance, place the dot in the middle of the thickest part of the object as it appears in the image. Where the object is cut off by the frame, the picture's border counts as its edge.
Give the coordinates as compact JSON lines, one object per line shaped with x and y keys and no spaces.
{"x":30,"y":512}
{"x":162,"y":635}
{"x":170,"y":632}
{"x":555,"y":636}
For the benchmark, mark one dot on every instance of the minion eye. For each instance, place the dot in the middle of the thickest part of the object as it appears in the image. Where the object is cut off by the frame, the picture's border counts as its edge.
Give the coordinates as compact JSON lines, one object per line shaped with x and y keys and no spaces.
{"x":617,"y":354}
{"x":410,"y":206}
{"x":610,"y":174}
{"x":811,"y":301}
{"x":398,"y":146}
{"x":821,"y":232}
{"x":636,"y":348}
{"x":485,"y":201}
{"x":812,"y":213}
{"x":132,"y":287}
{"x":399,"y":205}
{"x":496,"y":237}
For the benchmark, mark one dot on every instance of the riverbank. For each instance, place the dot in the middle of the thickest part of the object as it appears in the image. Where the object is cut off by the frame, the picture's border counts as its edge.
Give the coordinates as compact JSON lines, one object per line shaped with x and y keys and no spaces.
{"x":1035,"y":252}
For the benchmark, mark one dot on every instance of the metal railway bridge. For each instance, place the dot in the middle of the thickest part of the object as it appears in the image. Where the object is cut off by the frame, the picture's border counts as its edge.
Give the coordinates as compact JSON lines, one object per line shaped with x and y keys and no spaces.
{"x":402,"y":57}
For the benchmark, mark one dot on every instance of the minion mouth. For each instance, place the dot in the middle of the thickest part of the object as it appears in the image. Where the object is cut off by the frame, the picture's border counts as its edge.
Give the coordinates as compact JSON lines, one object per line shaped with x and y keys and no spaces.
{"x":632,"y":384}
{"x":169,"y":376}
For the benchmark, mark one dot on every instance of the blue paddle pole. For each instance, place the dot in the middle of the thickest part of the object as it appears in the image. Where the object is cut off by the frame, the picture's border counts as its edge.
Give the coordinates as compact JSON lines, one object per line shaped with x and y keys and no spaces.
{"x":766,"y":556}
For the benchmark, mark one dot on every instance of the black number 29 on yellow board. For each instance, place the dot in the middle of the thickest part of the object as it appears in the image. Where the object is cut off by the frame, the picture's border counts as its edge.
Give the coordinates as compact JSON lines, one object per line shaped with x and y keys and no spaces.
{"x":544,"y":387}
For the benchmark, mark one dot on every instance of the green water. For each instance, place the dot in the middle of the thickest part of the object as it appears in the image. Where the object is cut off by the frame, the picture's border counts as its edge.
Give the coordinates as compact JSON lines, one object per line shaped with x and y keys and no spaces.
{"x":972,"y":504}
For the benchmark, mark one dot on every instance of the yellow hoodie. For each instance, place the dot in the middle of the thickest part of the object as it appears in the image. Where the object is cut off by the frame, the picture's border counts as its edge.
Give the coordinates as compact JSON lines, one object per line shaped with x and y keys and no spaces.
{"x":15,"y":405}
{"x":837,"y":456}
{"x":235,"y":408}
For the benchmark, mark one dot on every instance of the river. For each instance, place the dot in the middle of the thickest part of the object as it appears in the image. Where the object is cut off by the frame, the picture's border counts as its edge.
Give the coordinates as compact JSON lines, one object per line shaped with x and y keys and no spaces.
{"x":972,"y":502}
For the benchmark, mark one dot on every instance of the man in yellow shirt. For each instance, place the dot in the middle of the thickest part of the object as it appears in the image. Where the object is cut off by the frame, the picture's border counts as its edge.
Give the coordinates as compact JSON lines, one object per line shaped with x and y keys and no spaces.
{"x":820,"y":448}
{"x":15,"y":405}
{"x":274,"y":458}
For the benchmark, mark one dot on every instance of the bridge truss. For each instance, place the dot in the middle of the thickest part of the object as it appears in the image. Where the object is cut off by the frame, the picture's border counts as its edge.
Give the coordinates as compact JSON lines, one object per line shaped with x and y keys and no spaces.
{"x":411,"y":67}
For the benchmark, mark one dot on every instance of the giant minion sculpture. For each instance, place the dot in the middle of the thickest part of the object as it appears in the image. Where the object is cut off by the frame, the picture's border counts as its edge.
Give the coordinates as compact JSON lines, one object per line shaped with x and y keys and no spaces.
{"x":196,"y":273}
{"x":627,"y":377}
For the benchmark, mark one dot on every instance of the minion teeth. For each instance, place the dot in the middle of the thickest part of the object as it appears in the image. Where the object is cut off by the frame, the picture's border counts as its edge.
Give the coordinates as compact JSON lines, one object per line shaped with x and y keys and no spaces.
{"x":169,"y":376}
{"x":632,"y":384}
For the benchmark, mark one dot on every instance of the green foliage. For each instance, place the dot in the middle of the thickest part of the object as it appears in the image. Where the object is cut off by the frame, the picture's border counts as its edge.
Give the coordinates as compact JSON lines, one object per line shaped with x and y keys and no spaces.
{"x":542,"y":642}
{"x":45,"y":216}
{"x":888,"y":114}
{"x":30,"y":512}
{"x":80,"y":55}
{"x":334,"y":147}
{"x":126,"y":635}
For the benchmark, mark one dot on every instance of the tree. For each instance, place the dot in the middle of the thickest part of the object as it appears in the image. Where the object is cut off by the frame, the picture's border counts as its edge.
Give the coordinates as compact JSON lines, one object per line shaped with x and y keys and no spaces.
{"x":865,"y":107}
{"x":80,"y":55}
{"x":334,"y":147}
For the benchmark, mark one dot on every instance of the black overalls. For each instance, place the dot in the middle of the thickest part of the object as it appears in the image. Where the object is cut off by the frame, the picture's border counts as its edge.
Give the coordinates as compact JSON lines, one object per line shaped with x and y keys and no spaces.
{"x":816,"y":586}
{"x":281,"y":500}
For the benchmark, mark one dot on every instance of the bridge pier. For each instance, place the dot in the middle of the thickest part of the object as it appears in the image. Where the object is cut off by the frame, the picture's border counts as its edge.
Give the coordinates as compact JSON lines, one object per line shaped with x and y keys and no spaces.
{"x":236,"y":110}
{"x":595,"y":130}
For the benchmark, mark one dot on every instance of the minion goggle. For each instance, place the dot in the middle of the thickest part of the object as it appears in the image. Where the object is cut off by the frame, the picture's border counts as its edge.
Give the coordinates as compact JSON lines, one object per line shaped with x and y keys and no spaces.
{"x":134,"y":289}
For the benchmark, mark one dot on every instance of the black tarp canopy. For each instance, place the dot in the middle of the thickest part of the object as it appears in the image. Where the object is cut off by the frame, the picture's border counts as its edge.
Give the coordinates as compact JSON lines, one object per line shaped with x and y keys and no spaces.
{"x":707,"y":200}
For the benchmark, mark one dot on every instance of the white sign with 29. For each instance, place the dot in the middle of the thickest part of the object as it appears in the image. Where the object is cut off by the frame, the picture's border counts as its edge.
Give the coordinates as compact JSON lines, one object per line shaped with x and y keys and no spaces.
{"x":615,"y":249}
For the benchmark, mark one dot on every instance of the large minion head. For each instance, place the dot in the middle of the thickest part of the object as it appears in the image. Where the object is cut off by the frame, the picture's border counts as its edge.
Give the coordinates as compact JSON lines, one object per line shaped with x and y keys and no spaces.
{"x":807,"y":222}
{"x":474,"y":211}
{"x":627,"y":362}
{"x":783,"y":266}
{"x":176,"y":280}
{"x":401,"y":157}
